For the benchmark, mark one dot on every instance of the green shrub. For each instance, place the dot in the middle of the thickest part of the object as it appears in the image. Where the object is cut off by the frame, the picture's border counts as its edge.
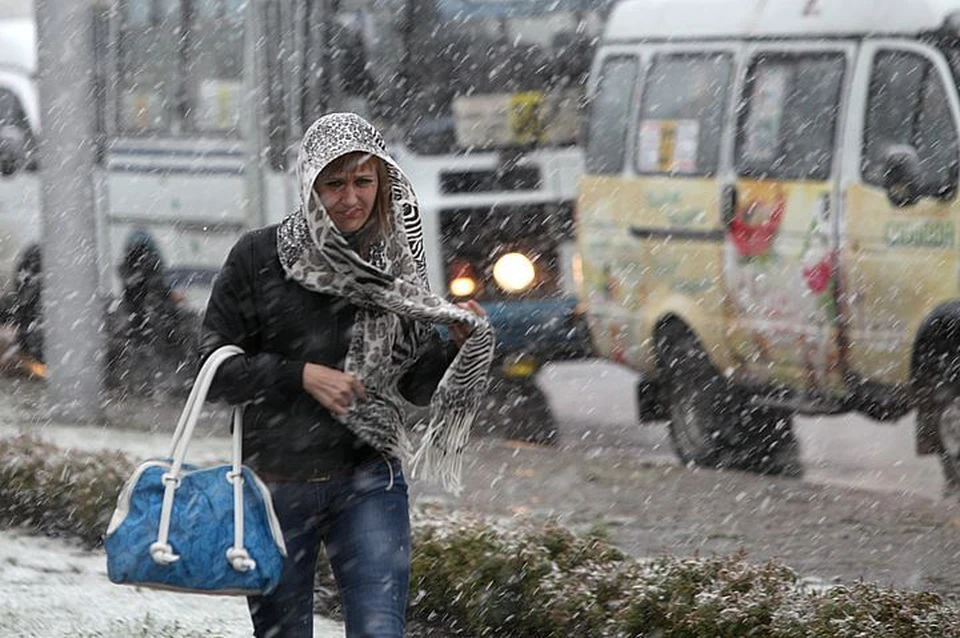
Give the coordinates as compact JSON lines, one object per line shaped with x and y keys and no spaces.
{"x":59,"y":491}
{"x":495,"y":578}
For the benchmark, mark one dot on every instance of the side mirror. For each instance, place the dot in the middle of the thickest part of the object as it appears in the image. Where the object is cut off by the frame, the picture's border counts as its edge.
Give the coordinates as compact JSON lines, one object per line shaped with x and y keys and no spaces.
{"x":901,"y":175}
{"x":13,"y":149}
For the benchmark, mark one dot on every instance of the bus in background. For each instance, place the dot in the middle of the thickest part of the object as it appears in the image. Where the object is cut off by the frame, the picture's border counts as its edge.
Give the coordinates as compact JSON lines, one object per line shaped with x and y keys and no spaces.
{"x":490,"y":142}
{"x":171,"y":159}
{"x":201,"y":104}
{"x":19,"y":127}
{"x":498,"y":224}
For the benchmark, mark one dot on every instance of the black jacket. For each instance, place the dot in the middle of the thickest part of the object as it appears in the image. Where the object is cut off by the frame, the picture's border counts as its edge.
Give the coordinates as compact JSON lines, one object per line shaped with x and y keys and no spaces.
{"x":281,"y":326}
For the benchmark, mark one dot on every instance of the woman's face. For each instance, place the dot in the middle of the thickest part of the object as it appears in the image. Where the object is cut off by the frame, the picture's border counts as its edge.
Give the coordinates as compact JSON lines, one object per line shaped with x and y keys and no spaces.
{"x":348,"y":194}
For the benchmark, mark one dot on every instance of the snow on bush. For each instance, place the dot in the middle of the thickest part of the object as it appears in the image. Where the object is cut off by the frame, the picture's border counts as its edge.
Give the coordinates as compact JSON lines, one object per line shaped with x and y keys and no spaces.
{"x":59,"y":491}
{"x":487,"y":578}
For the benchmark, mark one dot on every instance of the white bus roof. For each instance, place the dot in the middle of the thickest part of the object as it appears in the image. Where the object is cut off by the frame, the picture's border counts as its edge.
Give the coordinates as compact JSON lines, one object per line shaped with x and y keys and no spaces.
{"x":687,"y":19}
{"x":18,"y":45}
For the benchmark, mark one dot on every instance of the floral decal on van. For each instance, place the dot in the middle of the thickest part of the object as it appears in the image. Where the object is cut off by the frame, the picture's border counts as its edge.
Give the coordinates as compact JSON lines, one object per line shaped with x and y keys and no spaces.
{"x":757,"y":219}
{"x":817,"y":259}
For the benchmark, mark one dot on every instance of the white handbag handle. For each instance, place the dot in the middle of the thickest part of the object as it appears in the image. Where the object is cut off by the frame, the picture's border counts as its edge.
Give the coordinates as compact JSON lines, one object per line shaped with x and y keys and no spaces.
{"x":161,"y":551}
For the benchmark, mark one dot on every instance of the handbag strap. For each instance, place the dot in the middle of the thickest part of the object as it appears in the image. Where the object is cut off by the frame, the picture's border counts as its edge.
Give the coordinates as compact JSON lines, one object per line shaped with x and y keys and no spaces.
{"x":161,"y":551}
{"x":237,"y":555}
{"x":198,"y":396}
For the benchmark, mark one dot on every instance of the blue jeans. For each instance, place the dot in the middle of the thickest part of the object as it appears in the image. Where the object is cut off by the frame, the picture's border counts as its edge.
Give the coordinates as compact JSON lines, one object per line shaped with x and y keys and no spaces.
{"x":363,"y":520}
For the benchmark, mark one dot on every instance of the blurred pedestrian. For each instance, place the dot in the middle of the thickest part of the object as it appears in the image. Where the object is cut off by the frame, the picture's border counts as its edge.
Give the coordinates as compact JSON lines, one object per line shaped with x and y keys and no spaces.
{"x":153,"y":336}
{"x":27,"y":307}
{"x":337,"y":323}
{"x":147,"y":297}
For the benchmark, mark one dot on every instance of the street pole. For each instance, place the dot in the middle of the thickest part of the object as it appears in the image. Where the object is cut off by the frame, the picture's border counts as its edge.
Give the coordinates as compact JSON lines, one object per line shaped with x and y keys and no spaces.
{"x":251,"y":113}
{"x":72,"y":306}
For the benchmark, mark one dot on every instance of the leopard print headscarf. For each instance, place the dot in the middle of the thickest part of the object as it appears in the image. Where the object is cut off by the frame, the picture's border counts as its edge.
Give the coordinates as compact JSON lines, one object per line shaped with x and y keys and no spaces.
{"x":396,"y":310}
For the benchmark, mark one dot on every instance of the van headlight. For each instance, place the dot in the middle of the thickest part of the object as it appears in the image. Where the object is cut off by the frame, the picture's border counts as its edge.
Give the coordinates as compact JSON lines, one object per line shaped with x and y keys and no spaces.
{"x":463,"y":281}
{"x":514,"y":272}
{"x":576,"y":267}
{"x":463,"y":287}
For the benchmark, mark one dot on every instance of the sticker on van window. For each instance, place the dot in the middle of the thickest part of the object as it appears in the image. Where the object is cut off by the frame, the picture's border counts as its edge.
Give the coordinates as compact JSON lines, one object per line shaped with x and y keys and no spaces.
{"x":218,"y":105}
{"x":762,"y":128}
{"x":668,"y":146}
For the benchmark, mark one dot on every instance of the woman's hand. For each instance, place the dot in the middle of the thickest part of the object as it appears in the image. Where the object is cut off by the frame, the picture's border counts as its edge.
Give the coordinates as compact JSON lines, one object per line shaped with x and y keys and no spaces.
{"x":460,"y":331}
{"x":333,"y":389}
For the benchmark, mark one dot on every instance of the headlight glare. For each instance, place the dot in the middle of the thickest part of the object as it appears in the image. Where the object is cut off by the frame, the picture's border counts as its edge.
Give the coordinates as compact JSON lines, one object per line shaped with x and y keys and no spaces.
{"x":463,"y":287}
{"x":514,"y":272}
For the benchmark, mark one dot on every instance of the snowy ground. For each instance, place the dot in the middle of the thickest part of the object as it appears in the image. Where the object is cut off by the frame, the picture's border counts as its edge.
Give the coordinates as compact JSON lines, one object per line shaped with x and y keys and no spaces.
{"x":607,"y":469}
{"x":51,"y":588}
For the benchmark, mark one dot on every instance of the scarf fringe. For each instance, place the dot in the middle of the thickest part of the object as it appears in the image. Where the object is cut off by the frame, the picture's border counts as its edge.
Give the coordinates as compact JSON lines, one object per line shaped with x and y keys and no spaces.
{"x":453,"y":409}
{"x":439,"y":455}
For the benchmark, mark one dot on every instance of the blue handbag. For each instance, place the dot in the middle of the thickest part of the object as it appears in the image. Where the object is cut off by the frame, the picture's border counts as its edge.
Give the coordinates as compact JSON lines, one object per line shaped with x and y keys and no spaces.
{"x":182,"y":528}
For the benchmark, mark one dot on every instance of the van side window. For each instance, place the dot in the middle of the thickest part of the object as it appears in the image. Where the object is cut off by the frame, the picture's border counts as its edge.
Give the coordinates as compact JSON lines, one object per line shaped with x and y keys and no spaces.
{"x":908,"y":106}
{"x":788,"y":116}
{"x":11,"y":111}
{"x":13,"y":116}
{"x":609,"y":110}
{"x":681,"y":118}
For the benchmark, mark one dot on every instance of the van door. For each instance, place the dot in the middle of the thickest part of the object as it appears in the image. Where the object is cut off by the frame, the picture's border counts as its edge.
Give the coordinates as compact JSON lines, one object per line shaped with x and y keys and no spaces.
{"x":675,"y":218}
{"x":661,"y":251}
{"x":899,"y":254}
{"x":600,"y":215}
{"x":780,"y":216}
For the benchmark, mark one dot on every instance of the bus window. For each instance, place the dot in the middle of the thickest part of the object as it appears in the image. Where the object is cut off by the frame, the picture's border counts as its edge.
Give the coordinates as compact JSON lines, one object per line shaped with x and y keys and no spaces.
{"x":607,"y":134}
{"x":11,"y":111}
{"x":180,"y":66}
{"x":17,"y":143}
{"x":683,"y":98}
{"x":149,"y":92}
{"x":789,"y":116}
{"x":215,"y":61}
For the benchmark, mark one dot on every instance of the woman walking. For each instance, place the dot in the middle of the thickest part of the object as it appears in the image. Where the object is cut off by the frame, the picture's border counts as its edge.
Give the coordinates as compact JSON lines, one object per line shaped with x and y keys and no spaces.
{"x":337,"y":323}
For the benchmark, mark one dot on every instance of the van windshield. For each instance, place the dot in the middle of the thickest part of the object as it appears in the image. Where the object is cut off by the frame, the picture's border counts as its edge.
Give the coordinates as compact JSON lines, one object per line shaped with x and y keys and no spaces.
{"x":909,"y":107}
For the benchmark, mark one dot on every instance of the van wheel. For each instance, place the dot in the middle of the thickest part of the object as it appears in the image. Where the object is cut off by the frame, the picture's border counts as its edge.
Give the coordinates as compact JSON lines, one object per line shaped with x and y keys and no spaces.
{"x":767,"y":443}
{"x":946,"y":415}
{"x":713,"y":425}
{"x":517,"y":409}
{"x":696,"y":397}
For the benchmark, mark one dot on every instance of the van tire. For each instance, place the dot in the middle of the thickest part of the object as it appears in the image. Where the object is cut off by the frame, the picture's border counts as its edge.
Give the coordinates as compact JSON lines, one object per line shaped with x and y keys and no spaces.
{"x":517,"y":409}
{"x":695,"y":395}
{"x":768,"y":444}
{"x":944,"y":413}
{"x":937,"y":383}
{"x":711,"y":424}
